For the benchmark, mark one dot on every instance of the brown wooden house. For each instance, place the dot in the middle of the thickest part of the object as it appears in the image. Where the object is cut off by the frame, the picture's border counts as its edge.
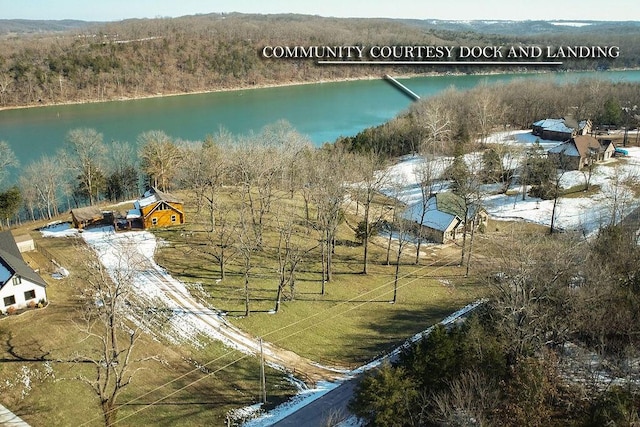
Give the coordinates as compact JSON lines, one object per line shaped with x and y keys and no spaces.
{"x":581,"y":151}
{"x":86,"y":217}
{"x":157,"y":209}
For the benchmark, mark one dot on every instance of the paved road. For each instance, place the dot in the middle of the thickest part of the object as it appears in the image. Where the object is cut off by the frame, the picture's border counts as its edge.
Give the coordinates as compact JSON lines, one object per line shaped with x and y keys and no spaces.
{"x":9,"y":419}
{"x":335,"y":402}
{"x":320,"y":410}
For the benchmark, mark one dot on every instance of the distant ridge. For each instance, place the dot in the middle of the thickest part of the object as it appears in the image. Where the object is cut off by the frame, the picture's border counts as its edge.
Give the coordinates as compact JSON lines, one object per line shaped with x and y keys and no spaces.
{"x":27,"y":26}
{"x":525,"y":28}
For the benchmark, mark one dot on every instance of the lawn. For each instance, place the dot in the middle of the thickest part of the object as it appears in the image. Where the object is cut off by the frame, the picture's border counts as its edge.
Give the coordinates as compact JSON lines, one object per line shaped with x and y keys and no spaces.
{"x":353,"y":322}
{"x":349,"y":325}
{"x":188,"y":386}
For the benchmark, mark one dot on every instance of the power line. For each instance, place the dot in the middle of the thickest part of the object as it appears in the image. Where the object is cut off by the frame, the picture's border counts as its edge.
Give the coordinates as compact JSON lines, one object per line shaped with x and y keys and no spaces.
{"x":281,"y":339}
{"x":353,"y":299}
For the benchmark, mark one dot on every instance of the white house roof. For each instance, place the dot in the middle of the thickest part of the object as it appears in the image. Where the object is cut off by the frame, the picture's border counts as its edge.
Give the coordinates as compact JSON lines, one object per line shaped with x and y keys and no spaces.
{"x":554,"y":125}
{"x":134,"y":214}
{"x":147,"y":200}
{"x":433,"y":217}
{"x":567,"y":148}
{"x":153,"y":195}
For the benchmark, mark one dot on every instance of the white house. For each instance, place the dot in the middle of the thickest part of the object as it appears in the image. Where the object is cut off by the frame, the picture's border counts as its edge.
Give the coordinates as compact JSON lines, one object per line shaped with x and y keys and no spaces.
{"x":19,"y":284}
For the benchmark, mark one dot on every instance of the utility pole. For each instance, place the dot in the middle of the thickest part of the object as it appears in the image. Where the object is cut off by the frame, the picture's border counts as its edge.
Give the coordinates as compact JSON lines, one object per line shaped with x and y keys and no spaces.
{"x":263,"y":380}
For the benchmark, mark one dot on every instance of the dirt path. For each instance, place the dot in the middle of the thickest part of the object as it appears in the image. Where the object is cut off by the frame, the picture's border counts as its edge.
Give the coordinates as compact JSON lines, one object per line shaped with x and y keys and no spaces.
{"x":292,"y":362}
{"x":191,"y":317}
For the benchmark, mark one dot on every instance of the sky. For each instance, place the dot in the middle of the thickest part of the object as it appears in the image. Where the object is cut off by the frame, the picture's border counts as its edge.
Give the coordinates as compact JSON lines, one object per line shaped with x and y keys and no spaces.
{"x":115,"y":10}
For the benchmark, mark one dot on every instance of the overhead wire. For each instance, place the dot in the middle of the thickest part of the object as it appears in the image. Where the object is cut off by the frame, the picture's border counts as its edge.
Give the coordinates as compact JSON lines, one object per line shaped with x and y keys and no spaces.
{"x":360,"y":304}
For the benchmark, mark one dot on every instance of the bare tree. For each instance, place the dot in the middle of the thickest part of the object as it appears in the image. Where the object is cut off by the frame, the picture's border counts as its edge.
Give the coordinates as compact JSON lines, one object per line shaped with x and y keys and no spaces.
{"x":206,"y":171}
{"x":122,"y":171}
{"x":291,"y":252}
{"x":160,"y":157}
{"x":487,"y":110}
{"x":500,"y":164}
{"x":427,"y":174}
{"x":221,"y":234}
{"x":40,"y":183}
{"x":401,"y":232}
{"x":112,"y":322}
{"x":468,"y":400}
{"x":246,"y":243}
{"x":468,"y":186}
{"x":371,"y":178}
{"x":329,"y":189}
{"x":258,"y":167}
{"x":530,"y":287}
{"x":619,"y":195}
{"x":84,"y":155}
{"x":7,"y":159}
{"x":434,"y":118}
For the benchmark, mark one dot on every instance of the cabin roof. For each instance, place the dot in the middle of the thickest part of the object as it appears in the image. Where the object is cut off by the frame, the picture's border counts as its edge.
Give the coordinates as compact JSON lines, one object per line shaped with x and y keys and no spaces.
{"x":87,"y":213}
{"x":153,"y":195}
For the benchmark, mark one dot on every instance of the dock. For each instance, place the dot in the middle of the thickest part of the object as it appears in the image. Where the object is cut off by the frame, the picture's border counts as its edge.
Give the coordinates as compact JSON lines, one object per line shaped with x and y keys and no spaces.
{"x":403,"y":88}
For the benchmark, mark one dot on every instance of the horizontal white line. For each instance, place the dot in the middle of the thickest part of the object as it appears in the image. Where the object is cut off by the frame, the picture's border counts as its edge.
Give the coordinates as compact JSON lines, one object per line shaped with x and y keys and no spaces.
{"x":440,"y":62}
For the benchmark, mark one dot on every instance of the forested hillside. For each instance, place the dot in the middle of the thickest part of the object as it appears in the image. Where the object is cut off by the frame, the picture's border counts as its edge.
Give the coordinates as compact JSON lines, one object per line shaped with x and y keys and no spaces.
{"x":136,"y":58}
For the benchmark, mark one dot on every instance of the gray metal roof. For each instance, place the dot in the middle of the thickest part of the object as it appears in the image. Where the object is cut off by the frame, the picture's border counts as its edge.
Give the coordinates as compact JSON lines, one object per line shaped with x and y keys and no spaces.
{"x":11,"y":258}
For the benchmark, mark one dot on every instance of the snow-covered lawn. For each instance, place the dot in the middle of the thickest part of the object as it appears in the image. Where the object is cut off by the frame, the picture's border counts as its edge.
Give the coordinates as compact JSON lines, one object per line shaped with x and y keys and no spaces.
{"x":585,"y":214}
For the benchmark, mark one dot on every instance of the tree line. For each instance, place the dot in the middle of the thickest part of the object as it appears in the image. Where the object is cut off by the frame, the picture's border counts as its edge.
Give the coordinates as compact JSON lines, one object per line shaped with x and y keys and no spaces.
{"x":136,"y":58}
{"x":557,"y":344}
{"x":454,"y":120}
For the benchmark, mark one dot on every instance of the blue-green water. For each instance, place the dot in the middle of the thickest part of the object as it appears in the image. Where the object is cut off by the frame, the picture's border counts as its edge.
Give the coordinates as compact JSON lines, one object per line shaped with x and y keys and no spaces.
{"x":321,"y":111}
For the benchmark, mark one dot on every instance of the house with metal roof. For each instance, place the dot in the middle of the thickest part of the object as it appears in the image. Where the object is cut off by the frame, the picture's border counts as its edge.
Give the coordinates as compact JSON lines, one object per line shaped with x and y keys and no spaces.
{"x":581,"y":151}
{"x":19,"y":284}
{"x":560,"y":129}
{"x":444,"y":217}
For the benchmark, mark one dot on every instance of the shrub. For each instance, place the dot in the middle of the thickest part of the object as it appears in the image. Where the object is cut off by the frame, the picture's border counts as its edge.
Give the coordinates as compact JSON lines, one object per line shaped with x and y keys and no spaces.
{"x":11,"y":310}
{"x":32,"y":304}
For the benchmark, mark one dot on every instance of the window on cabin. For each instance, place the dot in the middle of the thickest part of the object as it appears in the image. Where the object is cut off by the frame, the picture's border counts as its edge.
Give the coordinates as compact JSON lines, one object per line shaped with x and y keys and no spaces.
{"x":10,"y":300}
{"x":154,"y":221}
{"x":29,"y":295}
{"x":173,"y":218}
{"x":17,"y":280}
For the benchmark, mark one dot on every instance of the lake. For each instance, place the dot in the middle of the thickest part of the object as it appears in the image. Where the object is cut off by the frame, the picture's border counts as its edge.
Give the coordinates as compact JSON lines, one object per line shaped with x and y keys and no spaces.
{"x":322,"y":111}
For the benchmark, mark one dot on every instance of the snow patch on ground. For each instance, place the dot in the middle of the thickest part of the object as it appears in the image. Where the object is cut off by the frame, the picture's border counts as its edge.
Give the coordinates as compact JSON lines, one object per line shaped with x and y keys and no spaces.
{"x":59,"y":229}
{"x":301,"y":400}
{"x":184,"y":319}
{"x":305,"y":397}
{"x":583,"y":214}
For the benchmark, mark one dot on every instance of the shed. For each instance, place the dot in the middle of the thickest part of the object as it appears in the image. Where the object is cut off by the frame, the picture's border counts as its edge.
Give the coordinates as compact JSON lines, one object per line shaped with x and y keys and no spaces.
{"x":85,"y":217}
{"x":25,"y":243}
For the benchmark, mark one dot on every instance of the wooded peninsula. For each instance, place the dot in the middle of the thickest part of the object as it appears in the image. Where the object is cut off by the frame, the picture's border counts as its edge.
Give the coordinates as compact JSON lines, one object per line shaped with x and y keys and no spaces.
{"x":152,"y":57}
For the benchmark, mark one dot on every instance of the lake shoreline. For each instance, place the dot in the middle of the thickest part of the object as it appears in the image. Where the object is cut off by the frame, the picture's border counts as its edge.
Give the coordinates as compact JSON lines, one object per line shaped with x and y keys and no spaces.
{"x":284,"y":84}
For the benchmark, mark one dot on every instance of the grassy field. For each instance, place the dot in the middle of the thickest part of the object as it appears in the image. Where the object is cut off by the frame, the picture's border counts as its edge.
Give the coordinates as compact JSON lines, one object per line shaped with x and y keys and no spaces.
{"x":189,"y":386}
{"x":349,"y":325}
{"x":354,"y":321}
